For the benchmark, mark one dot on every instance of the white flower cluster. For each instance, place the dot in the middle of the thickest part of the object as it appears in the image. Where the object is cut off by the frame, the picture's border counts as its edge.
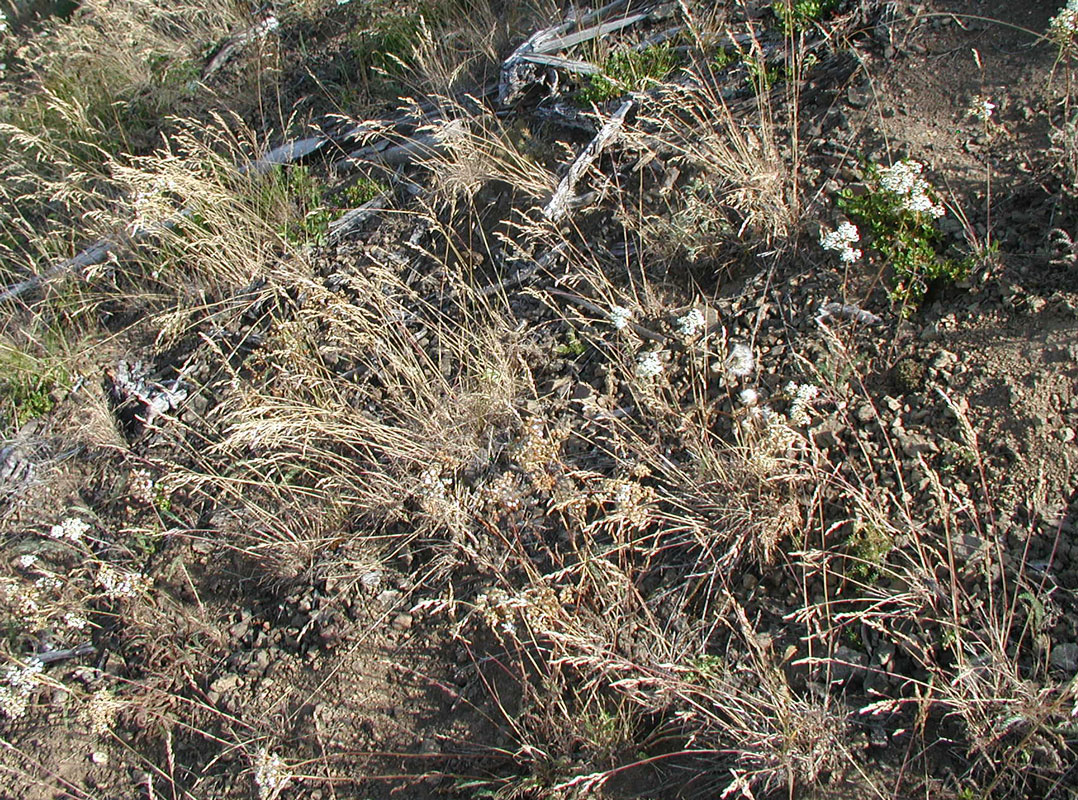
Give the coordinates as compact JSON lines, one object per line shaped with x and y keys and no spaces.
{"x":691,"y":323}
{"x":619,"y":317}
{"x":142,"y":486}
{"x":101,"y":709}
{"x":19,"y":682}
{"x":1064,"y":25}
{"x":75,"y":621}
{"x":982,"y":108}
{"x":740,"y":363}
{"x":271,"y":774}
{"x":904,"y":179}
{"x":3,"y":23}
{"x":803,"y":395}
{"x":842,"y":241}
{"x":649,"y":365}
{"x":72,"y":529}
{"x":119,"y":584}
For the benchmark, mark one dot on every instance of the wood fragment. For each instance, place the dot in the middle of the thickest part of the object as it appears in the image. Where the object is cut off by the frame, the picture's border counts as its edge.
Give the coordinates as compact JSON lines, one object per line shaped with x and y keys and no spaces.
{"x":351,"y":220}
{"x":831,"y":311}
{"x":236,"y":43}
{"x":559,"y":203}
{"x":517,"y":73}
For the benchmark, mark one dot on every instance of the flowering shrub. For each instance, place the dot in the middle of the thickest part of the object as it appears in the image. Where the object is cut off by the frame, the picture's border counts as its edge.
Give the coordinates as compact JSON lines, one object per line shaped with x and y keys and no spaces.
{"x":72,"y":529}
{"x":691,"y":323}
{"x":900,"y":211}
{"x":271,"y":774}
{"x":620,"y":317}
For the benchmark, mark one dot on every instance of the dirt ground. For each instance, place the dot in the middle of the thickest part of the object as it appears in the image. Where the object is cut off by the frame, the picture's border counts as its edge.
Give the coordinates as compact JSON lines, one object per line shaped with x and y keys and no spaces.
{"x":347,"y":656}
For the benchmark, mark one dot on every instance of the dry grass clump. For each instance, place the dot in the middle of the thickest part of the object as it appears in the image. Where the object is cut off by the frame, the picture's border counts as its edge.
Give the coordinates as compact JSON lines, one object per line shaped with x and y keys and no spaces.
{"x":87,"y":92}
{"x":116,"y":68}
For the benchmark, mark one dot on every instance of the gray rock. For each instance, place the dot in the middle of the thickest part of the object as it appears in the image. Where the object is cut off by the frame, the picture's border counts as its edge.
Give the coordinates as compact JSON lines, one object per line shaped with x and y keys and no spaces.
{"x":1065,"y":657}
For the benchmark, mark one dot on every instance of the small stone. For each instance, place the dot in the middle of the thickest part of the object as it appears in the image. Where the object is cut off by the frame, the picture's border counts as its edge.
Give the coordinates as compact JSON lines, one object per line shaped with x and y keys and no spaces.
{"x":225,"y":683}
{"x":402,"y":622}
{"x":865,"y":413}
{"x":944,"y":360}
{"x":1065,"y":657}
{"x":389,"y":597}
{"x":914,"y":444}
{"x":847,"y":662}
{"x":1067,"y":435}
{"x":99,"y":757}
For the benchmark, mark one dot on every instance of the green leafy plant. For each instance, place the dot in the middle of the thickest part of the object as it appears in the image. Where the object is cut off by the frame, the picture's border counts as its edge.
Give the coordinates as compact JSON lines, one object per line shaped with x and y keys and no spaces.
{"x":869,"y":546}
{"x":628,"y":71}
{"x":901,"y":216}
{"x":363,"y":191}
{"x":573,"y":347}
{"x":295,"y":189}
{"x":26,"y":386}
{"x":801,"y":15}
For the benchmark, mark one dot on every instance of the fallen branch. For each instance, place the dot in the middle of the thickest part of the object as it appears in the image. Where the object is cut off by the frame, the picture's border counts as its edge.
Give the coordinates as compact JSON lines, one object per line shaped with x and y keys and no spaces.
{"x":830,"y":311}
{"x":231,"y":47}
{"x":587,"y":305}
{"x":558,"y":205}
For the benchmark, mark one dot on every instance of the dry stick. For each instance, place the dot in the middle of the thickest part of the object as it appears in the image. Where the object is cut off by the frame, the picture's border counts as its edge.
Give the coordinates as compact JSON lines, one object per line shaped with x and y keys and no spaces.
{"x":558,"y":205}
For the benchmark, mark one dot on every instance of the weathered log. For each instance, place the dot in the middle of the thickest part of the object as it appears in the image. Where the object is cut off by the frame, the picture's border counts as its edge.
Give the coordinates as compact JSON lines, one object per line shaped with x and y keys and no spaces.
{"x":520,"y":69}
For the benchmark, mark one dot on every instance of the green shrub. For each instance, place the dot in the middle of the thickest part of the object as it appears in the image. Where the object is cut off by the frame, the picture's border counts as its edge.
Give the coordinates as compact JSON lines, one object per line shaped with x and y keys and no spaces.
{"x":908,"y":238}
{"x":801,"y":15}
{"x":26,"y":386}
{"x":628,"y":71}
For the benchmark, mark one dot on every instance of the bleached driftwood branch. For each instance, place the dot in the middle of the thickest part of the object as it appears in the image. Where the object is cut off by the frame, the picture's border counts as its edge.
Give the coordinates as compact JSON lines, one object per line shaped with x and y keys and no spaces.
{"x":559,"y":203}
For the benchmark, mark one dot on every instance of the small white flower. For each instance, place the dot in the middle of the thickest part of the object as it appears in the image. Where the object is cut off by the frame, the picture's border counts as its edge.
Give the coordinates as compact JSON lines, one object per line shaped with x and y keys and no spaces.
{"x":619,"y":317}
{"x":19,"y":683}
{"x":75,"y":622}
{"x":271,"y":774}
{"x":901,"y":178}
{"x":904,"y":179}
{"x":982,"y":108}
{"x":119,"y":584}
{"x":73,"y":529}
{"x":841,"y":241}
{"x":803,"y":395}
{"x":748,"y":397}
{"x":1064,"y":25}
{"x":48,"y":582}
{"x":27,"y":561}
{"x":740,"y":363}
{"x":649,"y":365}
{"x":692,"y":322}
